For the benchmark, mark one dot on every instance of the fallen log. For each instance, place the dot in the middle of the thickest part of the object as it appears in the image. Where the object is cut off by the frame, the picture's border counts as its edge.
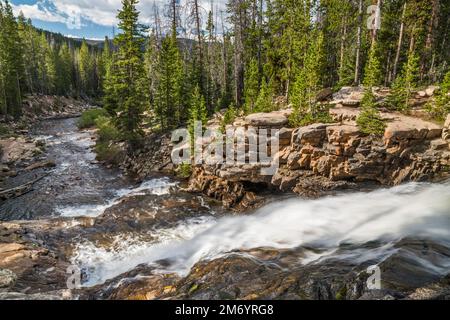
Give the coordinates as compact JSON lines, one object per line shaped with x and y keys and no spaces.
{"x":19,"y":190}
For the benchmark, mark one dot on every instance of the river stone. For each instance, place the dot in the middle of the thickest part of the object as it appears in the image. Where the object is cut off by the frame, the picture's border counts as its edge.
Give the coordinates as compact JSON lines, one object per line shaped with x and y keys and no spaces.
{"x":431,"y":90}
{"x":23,"y":296}
{"x":272,"y":119}
{"x":7,"y":278}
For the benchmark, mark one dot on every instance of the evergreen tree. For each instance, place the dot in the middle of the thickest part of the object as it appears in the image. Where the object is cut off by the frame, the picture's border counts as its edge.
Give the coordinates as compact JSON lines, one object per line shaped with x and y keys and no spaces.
{"x":11,"y":61}
{"x":168,"y":99}
{"x":86,"y":69}
{"x":197,"y":110}
{"x":251,"y":85}
{"x":307,"y":82}
{"x":440,"y":107}
{"x":127,"y":87}
{"x":264,"y":102}
{"x":64,"y":70}
{"x":404,"y":85}
{"x":369,"y":119}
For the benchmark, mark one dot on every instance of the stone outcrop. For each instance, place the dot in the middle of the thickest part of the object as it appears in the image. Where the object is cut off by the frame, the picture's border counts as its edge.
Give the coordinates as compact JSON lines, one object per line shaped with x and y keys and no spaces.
{"x":324,"y":157}
{"x":352,"y":96}
{"x":154,"y":156}
{"x":446,"y":130}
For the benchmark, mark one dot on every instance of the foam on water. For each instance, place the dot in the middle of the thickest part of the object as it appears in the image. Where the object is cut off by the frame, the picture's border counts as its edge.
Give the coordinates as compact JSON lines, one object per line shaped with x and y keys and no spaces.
{"x":158,"y":186}
{"x":387,"y":215}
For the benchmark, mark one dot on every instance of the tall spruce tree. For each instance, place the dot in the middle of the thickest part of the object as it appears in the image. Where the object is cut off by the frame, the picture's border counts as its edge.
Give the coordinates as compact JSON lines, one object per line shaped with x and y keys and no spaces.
{"x":168,"y":99}
{"x":127,"y":99}
{"x":369,"y":119}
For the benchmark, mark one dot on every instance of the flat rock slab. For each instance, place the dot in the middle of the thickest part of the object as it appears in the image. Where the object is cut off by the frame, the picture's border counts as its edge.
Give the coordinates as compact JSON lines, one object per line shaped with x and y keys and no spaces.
{"x":404,"y":127}
{"x":398,"y":125}
{"x":16,"y":149}
{"x":271,"y":119}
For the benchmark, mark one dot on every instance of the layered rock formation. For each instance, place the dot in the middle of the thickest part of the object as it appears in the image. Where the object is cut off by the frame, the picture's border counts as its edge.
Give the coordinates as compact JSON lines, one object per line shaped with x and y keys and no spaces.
{"x":318,"y":158}
{"x":329,"y":156}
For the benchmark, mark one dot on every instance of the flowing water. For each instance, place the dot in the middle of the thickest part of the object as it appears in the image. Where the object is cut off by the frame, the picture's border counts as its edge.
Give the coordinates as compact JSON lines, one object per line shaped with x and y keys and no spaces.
{"x":360,"y":228}
{"x":418,"y":211}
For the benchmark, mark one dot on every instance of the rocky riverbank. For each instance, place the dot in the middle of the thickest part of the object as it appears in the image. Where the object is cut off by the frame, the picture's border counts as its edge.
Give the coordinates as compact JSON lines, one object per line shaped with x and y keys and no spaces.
{"x":22,"y":153}
{"x":320,"y":158}
{"x":168,"y":238}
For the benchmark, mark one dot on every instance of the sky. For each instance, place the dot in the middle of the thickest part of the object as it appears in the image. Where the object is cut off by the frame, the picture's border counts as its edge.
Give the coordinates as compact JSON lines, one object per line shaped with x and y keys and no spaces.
{"x":95,"y":19}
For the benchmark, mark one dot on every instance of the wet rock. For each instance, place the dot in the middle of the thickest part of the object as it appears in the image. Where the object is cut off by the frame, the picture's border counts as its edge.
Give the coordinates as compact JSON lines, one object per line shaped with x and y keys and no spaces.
{"x":7,"y":278}
{"x":35,"y":296}
{"x":42,"y":164}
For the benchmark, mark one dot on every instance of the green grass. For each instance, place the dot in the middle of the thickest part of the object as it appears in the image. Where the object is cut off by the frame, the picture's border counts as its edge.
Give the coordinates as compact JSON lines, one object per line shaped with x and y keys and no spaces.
{"x":4,"y":130}
{"x":89,"y":117}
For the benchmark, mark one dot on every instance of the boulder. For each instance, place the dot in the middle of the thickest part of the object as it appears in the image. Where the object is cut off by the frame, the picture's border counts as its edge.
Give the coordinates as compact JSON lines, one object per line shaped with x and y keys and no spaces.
{"x":342,"y":133}
{"x":422,"y":94}
{"x":7,"y":278}
{"x":439,"y":144}
{"x":349,"y":93}
{"x":272,"y":119}
{"x":314,"y":135}
{"x":431,"y":90}
{"x":324,"y":94}
{"x":409,"y":128}
{"x":446,"y":130}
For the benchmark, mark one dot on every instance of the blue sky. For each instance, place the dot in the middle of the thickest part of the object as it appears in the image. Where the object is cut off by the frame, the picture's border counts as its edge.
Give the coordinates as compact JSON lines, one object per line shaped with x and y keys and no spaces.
{"x":94,"y":19}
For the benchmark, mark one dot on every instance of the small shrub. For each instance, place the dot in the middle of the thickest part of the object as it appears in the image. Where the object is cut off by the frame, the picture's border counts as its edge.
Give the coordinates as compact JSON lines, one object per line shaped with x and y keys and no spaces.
{"x":89,"y":117}
{"x":105,"y":147}
{"x":107,"y":132}
{"x":184,"y":170}
{"x":4,"y":130}
{"x":440,"y":107}
{"x":369,"y":120}
{"x":228,"y":117}
{"x":301,"y":119}
{"x":108,"y":152}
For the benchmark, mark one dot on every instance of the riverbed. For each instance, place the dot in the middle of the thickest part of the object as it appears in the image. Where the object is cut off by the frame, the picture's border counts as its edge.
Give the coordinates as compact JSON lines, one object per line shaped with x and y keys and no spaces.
{"x":404,"y":231}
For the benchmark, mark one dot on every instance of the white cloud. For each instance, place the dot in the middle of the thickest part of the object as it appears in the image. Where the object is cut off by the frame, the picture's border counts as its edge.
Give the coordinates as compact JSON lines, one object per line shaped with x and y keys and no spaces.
{"x":102,"y":12}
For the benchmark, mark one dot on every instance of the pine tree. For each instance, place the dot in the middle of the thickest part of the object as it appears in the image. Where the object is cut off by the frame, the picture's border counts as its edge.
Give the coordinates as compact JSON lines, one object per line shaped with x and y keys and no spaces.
{"x":64,"y":70}
{"x":264,"y":102}
{"x":168,"y":99}
{"x":127,"y":88}
{"x":307,"y":82}
{"x":251,"y":85}
{"x":369,"y":119}
{"x":440,"y":107}
{"x":11,"y":60}
{"x":403,"y":86}
{"x":86,"y":69}
{"x":197,"y":110}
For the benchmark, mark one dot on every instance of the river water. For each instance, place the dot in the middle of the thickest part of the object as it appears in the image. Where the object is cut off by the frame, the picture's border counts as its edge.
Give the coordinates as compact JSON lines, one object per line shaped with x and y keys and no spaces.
{"x":407,"y":227}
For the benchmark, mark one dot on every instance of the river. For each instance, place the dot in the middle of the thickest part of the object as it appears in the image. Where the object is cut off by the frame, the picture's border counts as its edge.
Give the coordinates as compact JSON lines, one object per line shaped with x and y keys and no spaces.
{"x":404,"y":228}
